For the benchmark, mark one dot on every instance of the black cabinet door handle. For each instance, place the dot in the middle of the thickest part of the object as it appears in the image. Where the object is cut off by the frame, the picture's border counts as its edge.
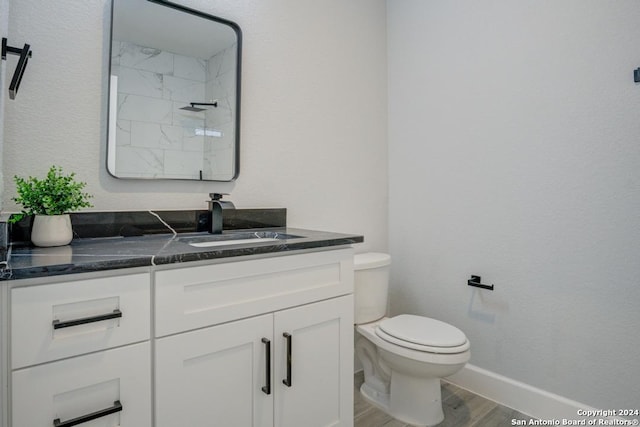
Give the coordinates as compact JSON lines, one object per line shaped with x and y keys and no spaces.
{"x":267,"y":387}
{"x":113,"y":315}
{"x":117,"y":407}
{"x":288,"y":381}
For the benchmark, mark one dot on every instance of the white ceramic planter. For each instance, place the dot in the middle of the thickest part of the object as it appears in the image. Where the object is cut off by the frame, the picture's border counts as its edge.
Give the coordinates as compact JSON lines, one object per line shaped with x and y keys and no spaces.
{"x":51,"y":230}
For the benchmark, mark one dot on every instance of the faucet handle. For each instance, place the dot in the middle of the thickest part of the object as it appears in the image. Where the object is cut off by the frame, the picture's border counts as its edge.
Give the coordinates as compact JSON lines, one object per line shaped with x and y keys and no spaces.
{"x":217,"y":196}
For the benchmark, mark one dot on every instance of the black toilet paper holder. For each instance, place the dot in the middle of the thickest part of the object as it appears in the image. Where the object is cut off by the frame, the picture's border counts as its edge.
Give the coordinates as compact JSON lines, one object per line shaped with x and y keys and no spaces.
{"x":475,"y":281}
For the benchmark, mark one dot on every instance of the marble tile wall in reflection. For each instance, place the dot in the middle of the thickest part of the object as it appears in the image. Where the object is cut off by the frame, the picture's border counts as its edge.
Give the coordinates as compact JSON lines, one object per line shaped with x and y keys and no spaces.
{"x":155,"y":137}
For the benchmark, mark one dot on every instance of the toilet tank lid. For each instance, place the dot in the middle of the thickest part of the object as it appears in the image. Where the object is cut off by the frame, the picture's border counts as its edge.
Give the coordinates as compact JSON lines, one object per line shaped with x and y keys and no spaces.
{"x":370,"y":260}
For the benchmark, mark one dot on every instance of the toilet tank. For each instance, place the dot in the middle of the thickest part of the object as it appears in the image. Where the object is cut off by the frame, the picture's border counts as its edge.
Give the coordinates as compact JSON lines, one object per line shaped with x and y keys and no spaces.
{"x":371,"y":286}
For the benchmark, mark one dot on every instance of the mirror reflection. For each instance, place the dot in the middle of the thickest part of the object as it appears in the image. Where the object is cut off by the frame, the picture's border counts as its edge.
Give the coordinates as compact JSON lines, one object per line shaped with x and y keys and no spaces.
{"x":174,"y":93}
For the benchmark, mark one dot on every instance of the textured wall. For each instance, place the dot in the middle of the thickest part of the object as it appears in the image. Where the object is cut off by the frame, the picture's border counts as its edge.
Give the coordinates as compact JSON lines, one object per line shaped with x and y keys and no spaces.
{"x":313,"y":110}
{"x":514,"y":155}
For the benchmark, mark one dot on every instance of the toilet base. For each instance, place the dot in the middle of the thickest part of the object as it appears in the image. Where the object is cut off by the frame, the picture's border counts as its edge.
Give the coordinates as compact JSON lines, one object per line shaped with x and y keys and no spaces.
{"x":375,"y":398}
{"x":416,"y":401}
{"x":412,"y":401}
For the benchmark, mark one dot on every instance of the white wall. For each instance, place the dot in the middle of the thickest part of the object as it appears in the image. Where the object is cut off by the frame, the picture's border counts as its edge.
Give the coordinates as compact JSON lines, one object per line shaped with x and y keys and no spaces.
{"x":313,"y":110}
{"x":514,"y":150}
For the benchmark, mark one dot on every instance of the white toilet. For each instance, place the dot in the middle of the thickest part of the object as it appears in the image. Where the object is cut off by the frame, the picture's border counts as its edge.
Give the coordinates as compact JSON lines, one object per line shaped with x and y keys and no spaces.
{"x":404,"y":356}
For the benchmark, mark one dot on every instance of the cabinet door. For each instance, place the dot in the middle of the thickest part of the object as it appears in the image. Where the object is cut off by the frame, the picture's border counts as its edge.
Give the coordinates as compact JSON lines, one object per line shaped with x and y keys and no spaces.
{"x":113,"y":386}
{"x":215,"y":376}
{"x":319,"y":353}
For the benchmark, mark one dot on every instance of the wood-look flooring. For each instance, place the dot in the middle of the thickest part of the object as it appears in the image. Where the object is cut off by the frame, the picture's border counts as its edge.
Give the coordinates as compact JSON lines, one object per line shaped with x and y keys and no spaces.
{"x":461,"y":409}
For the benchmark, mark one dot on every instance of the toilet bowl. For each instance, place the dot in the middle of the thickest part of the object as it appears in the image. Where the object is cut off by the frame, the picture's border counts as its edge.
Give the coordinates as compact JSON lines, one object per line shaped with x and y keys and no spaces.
{"x":404,"y":356}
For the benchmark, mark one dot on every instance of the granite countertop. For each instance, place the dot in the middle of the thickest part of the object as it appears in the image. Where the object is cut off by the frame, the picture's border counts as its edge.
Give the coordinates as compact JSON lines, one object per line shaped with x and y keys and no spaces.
{"x":107,"y":253}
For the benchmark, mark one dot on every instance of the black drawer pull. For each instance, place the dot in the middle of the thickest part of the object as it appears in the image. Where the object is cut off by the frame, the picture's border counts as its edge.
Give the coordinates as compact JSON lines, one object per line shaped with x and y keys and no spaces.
{"x":288,"y":381}
{"x":59,"y":325}
{"x":267,"y":388}
{"x":117,"y":407}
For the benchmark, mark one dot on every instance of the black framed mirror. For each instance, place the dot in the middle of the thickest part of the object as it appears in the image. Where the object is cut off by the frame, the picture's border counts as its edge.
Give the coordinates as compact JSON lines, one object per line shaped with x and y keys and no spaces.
{"x":174,"y":93}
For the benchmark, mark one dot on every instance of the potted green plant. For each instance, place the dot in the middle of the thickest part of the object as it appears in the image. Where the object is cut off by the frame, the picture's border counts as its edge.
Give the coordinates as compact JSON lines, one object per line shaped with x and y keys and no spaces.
{"x":50,"y":200}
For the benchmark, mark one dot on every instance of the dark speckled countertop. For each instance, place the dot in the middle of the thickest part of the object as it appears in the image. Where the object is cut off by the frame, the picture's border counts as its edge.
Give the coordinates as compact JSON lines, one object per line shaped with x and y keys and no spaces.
{"x":108,"y":253}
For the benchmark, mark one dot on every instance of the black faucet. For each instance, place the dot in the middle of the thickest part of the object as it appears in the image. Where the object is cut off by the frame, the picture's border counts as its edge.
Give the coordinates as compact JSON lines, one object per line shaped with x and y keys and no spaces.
{"x":216,"y":206}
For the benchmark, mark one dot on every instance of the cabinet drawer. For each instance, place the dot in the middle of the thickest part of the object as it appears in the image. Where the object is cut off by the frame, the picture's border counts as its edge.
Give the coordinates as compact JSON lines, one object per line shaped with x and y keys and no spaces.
{"x":73,"y":388}
{"x":50,"y":322}
{"x":196,"y":297}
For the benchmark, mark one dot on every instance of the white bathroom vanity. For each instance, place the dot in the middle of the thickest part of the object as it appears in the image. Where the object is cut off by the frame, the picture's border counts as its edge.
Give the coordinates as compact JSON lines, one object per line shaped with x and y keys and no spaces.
{"x":258,"y":340}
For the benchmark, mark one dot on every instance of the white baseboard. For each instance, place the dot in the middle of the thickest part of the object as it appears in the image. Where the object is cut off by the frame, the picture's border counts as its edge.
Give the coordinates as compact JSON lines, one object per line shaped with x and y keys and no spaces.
{"x":522,"y":397}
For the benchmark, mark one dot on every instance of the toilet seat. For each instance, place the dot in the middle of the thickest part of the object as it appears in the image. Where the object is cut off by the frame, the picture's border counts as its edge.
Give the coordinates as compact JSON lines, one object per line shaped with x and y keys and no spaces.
{"x":369,"y":331}
{"x":422,"y":334}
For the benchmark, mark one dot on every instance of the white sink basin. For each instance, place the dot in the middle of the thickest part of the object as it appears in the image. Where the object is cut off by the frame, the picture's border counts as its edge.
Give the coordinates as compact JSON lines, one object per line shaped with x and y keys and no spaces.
{"x":232,"y":242}
{"x":236,"y":238}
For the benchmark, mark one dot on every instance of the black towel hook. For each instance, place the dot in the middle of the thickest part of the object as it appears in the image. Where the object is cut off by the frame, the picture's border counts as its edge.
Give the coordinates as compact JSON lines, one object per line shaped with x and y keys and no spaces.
{"x":25,"y":54}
